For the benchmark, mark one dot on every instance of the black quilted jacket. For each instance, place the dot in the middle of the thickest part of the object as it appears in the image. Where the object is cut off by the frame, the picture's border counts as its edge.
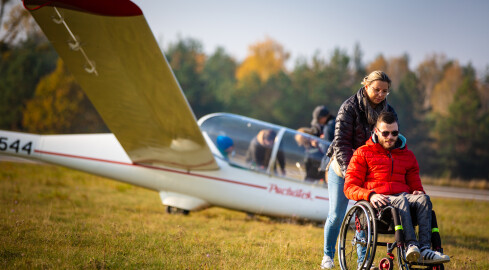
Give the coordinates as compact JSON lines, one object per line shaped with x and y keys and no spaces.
{"x":351,"y":130}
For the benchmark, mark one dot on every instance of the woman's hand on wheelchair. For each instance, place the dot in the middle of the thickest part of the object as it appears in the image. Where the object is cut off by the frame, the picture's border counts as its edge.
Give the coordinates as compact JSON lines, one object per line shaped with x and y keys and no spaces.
{"x":379,"y":200}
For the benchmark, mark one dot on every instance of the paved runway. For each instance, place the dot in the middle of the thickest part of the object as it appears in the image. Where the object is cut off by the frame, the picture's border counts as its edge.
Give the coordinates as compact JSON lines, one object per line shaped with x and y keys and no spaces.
{"x":456,"y":192}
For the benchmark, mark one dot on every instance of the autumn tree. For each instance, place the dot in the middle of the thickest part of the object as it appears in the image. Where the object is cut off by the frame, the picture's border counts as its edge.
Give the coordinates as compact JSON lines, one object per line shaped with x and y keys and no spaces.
{"x":21,"y":67}
{"x":462,"y":147}
{"x":430,"y":72}
{"x":405,"y":95}
{"x":379,"y":63}
{"x":444,"y":91}
{"x":60,"y":106}
{"x":397,"y":68}
{"x":265,"y":59}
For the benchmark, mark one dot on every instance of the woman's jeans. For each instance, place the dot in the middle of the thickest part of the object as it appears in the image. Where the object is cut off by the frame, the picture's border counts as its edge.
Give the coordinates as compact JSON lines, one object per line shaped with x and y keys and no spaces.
{"x":337,"y":209}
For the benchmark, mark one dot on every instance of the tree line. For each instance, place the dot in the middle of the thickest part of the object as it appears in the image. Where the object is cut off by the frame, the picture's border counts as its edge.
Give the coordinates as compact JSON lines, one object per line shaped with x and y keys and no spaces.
{"x":443,"y":107}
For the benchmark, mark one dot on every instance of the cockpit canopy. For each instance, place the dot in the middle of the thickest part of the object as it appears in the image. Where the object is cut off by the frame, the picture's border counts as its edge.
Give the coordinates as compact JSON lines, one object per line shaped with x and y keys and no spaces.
{"x":290,"y":154}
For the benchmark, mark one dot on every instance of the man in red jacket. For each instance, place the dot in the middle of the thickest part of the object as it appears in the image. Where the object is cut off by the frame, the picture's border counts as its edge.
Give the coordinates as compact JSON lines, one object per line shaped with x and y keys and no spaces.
{"x":385,"y":172}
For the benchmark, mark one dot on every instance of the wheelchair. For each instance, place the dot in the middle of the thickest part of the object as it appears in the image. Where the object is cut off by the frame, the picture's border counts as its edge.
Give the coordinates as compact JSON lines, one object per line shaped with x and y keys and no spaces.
{"x":365,"y":228}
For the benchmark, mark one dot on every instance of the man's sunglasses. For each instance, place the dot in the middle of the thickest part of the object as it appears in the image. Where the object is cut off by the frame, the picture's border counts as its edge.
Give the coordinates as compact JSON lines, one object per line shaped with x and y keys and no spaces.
{"x":394,"y":133}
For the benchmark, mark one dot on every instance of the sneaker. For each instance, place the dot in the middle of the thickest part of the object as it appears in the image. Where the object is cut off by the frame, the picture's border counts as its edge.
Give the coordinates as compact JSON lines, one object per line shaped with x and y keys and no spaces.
{"x":412,"y":253}
{"x":430,"y":256}
{"x":327,"y":262}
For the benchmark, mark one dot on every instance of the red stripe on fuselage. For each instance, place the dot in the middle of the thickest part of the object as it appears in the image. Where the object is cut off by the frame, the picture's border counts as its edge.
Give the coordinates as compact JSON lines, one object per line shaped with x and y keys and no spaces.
{"x":201,"y":175}
{"x":151,"y":167}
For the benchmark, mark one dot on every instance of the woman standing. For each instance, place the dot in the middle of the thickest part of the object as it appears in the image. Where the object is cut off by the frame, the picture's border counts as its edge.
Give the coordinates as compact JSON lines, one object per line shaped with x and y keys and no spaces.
{"x":354,"y":124}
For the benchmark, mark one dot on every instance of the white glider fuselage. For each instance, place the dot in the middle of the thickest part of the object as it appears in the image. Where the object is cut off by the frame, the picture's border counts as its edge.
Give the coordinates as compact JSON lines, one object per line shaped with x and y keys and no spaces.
{"x":229,"y":187}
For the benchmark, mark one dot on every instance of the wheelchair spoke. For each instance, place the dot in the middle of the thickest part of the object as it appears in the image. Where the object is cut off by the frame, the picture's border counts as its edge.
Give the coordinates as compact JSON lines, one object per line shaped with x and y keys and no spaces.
{"x":356,"y":245}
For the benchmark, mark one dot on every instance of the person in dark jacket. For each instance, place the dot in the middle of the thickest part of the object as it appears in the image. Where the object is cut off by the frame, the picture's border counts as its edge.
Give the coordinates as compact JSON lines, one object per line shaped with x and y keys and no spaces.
{"x":313,"y":154}
{"x":322,"y":124}
{"x":385,"y":172}
{"x":356,"y":118}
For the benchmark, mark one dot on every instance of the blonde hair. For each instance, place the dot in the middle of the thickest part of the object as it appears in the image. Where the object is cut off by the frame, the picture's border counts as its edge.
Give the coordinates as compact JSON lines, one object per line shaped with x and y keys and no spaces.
{"x":376,"y":75}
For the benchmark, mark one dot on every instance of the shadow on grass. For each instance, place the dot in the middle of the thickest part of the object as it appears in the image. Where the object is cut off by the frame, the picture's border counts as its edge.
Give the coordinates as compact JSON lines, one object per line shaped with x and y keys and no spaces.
{"x":7,"y":255}
{"x":467,"y":242}
{"x":295,"y":221}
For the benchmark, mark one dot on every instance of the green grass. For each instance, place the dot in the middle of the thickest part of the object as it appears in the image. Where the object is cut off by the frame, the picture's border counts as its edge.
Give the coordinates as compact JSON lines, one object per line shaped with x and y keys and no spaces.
{"x":52,"y":217}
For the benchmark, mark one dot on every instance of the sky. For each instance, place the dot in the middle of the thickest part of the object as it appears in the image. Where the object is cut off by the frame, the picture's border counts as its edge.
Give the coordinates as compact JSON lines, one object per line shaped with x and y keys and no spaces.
{"x":419,"y":28}
{"x":458,"y":29}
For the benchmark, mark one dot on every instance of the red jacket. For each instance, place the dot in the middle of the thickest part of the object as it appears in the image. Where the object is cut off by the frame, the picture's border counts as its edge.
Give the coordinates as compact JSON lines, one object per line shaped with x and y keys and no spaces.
{"x":375,"y":169}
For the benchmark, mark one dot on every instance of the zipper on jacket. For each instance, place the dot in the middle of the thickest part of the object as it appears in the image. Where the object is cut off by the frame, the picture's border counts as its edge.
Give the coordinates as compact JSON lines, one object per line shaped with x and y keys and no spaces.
{"x":392,"y":163}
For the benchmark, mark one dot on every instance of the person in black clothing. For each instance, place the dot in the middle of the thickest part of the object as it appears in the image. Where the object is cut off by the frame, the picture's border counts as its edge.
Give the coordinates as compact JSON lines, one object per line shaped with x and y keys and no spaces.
{"x":260,"y":151}
{"x":322,"y":124}
{"x":313,"y":154}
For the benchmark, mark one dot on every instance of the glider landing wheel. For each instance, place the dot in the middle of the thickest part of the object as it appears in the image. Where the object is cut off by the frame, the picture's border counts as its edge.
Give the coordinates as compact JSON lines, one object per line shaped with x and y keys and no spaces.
{"x":175,"y":210}
{"x":386,"y":264}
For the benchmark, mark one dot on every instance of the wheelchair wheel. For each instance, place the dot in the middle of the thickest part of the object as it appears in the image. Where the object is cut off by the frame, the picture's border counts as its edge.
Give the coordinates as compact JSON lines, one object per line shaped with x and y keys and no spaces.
{"x":358,"y":238}
{"x":386,"y":264}
{"x":401,"y":254}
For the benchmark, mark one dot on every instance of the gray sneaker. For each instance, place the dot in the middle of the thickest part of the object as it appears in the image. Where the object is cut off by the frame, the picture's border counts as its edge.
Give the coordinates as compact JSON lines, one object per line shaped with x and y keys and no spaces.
{"x":327,"y":262}
{"x":412,"y":253}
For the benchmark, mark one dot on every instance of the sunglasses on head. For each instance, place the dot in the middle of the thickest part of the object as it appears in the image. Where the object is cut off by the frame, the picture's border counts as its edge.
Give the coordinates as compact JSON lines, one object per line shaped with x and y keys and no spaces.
{"x":394,"y":133}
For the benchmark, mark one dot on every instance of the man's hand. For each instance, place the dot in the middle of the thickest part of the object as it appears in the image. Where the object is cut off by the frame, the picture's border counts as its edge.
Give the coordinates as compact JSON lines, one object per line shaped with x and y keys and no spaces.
{"x":418,"y":192}
{"x":379,"y":200}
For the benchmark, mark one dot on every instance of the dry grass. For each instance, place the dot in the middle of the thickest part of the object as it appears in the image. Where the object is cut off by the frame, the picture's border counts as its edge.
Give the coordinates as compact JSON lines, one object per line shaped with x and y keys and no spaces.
{"x":57,"y":218}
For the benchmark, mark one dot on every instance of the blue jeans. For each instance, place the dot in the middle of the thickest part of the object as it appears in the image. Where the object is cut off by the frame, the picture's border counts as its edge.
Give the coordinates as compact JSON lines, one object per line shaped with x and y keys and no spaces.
{"x":361,"y":250}
{"x":337,"y":210}
{"x":405,"y":203}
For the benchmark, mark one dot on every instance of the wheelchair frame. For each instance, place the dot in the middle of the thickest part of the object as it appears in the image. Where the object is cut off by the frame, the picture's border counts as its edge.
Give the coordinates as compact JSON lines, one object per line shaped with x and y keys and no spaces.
{"x":360,"y":230}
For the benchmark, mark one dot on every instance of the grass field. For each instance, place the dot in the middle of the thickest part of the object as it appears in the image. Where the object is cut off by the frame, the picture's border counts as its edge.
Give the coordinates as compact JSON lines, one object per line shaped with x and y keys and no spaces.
{"x":56,"y":218}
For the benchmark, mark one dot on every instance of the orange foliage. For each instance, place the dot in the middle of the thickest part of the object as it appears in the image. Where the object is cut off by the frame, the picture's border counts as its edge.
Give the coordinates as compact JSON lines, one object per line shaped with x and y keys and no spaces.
{"x":397,"y":68}
{"x":60,"y":106}
{"x":378,"y":64}
{"x":430,"y":71}
{"x":265,"y":59}
{"x":445,"y":89}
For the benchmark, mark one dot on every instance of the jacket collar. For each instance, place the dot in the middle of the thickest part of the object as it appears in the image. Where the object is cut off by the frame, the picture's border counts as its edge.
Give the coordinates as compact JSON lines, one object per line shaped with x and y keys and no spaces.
{"x":400,"y":143}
